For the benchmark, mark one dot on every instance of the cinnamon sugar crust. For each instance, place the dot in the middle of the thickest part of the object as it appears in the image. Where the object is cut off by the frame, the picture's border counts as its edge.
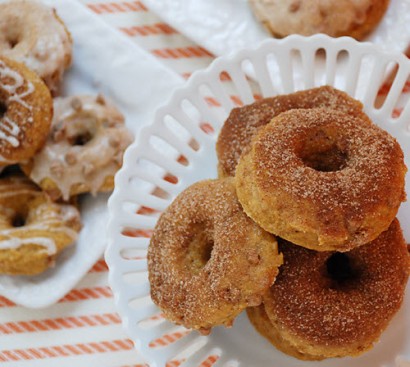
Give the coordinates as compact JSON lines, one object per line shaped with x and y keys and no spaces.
{"x":243,"y":122}
{"x":260,"y":320}
{"x":207,"y":260}
{"x":326,"y":308}
{"x":322,"y":179}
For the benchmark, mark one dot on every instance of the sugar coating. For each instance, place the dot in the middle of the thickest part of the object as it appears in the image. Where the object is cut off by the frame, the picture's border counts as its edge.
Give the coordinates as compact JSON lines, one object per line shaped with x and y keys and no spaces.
{"x":325,"y":317}
{"x":243,"y":122}
{"x":339,"y":209}
{"x":370,"y":167}
{"x":242,"y":265}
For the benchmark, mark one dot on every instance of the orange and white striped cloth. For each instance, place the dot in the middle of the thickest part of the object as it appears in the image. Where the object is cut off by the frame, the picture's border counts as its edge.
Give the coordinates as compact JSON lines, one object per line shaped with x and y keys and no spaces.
{"x":83,"y":329}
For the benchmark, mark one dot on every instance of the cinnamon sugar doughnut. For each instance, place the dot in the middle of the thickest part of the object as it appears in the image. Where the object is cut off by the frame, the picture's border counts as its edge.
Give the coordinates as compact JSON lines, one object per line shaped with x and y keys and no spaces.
{"x":335,"y":18}
{"x":330,"y":304}
{"x":322,"y":179}
{"x":243,"y":122}
{"x":84,"y":149}
{"x":32,"y":33}
{"x":33,"y":229}
{"x":207,"y":260}
{"x":260,"y":320}
{"x":26,"y":110}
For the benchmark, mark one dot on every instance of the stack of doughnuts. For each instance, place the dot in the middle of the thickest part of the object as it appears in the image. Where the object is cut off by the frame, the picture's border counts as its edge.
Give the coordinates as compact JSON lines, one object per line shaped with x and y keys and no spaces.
{"x":320,"y":185}
{"x":52,"y":148}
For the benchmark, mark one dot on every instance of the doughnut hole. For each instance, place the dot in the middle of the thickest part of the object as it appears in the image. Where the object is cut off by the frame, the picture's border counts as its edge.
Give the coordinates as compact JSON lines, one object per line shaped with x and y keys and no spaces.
{"x":18,"y":220}
{"x":80,"y":133}
{"x":12,"y":35}
{"x":322,"y":150}
{"x":20,"y":217}
{"x":199,"y":249}
{"x":81,"y":139}
{"x":3,"y":109}
{"x":341,"y":270}
{"x":13,"y":42}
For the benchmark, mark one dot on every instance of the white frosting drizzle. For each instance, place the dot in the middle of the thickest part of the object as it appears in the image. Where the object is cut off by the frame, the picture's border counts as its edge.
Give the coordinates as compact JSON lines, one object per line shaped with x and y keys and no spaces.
{"x":10,"y":129}
{"x":90,"y":164}
{"x":43,"y":222}
{"x":15,"y":242}
{"x":44,"y":49}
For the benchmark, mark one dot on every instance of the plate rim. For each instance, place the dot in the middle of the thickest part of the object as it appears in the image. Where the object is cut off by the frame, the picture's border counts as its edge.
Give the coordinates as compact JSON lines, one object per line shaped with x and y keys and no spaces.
{"x":111,"y":255}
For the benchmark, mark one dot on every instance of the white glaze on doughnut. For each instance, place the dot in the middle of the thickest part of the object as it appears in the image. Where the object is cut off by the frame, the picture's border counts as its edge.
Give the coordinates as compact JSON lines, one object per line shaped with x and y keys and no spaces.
{"x":46,"y":217}
{"x":41,"y":41}
{"x":90,"y":164}
{"x":15,"y":242}
{"x":9,"y":129}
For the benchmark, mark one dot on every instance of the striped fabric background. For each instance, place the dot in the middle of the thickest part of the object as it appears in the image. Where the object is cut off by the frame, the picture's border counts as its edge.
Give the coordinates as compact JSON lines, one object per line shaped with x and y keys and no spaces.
{"x":83,"y":329}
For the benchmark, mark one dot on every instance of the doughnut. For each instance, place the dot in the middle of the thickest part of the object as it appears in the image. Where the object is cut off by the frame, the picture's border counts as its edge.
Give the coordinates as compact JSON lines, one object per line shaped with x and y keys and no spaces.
{"x":32,"y":33}
{"x":33,"y":229}
{"x":322,"y":179}
{"x":260,"y":320}
{"x":26,"y":110}
{"x":333,"y":304}
{"x":207,"y":261}
{"x":84,"y":149}
{"x":243,"y":122}
{"x":335,"y":18}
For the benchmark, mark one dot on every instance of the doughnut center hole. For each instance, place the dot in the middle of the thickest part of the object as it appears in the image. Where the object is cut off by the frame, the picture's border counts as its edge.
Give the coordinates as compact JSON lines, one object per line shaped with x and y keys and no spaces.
{"x":18,"y":221}
{"x":81,"y":139}
{"x":199,"y":250}
{"x":321,"y":151}
{"x":340,"y":268}
{"x":13,"y":41}
{"x":3,"y":109}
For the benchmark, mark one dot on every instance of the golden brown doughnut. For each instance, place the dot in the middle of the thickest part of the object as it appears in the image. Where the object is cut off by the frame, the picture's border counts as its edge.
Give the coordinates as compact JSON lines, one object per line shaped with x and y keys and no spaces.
{"x":322,"y":179}
{"x":32,"y":33}
{"x":84,"y":149}
{"x":207,"y":260}
{"x":33,"y":229}
{"x":330,"y":304}
{"x":26,"y":109}
{"x":243,"y":122}
{"x":260,"y":320}
{"x":335,"y":18}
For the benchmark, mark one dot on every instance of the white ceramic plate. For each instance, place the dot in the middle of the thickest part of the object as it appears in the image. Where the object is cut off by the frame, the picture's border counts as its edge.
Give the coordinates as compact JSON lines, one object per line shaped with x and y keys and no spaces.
{"x":223,"y":26}
{"x":104,"y":61}
{"x":360,"y":72}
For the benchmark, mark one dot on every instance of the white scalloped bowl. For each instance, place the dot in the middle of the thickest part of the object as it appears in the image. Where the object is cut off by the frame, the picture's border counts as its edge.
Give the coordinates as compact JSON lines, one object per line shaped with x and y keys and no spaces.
{"x":178,"y":150}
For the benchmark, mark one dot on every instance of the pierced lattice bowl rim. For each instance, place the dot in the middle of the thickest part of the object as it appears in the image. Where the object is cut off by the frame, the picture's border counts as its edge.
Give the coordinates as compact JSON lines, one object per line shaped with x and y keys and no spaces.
{"x":152,"y":161}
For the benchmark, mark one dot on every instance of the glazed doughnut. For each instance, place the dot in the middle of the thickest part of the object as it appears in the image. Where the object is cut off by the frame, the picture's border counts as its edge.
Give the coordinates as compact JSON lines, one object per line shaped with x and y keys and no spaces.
{"x":207,"y":260}
{"x":332,"y":304}
{"x":26,"y":110}
{"x":322,"y":179}
{"x":84,"y":149}
{"x":33,"y":229}
{"x":33,"y":34}
{"x":335,"y":18}
{"x":243,"y":122}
